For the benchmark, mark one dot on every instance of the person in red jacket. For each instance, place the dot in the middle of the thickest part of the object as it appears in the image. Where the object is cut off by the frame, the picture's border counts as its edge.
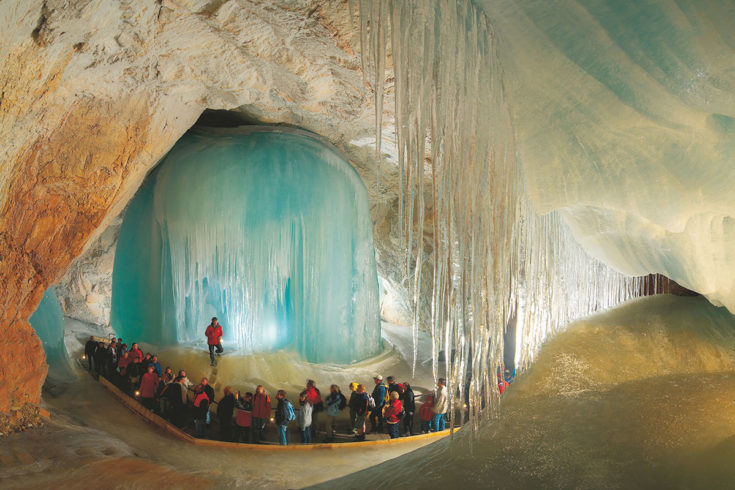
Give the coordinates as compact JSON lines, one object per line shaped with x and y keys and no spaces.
{"x":136,"y":355}
{"x":392,"y":414}
{"x":261,"y":412}
{"x":148,"y":385}
{"x":214,"y":339}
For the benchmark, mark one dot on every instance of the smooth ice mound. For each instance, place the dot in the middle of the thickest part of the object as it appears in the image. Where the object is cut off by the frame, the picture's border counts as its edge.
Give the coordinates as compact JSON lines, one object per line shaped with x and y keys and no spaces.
{"x":48,"y":322}
{"x":624,"y":119}
{"x":268,"y":230}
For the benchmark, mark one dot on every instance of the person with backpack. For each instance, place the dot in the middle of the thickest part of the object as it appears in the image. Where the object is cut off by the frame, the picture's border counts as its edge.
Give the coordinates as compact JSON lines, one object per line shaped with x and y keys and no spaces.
{"x":379,"y":397}
{"x":284,"y":415}
{"x":409,"y":407}
{"x":244,"y":418}
{"x":335,"y":402}
{"x":261,"y":412}
{"x":304,"y":418}
{"x":426,"y":414}
{"x":361,"y":405}
{"x":392,"y":414}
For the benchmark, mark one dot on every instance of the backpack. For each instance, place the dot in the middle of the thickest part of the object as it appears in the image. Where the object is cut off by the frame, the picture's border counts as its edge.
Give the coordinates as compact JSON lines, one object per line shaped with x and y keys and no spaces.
{"x":386,"y":399}
{"x":342,"y":401}
{"x":290,"y":415}
{"x":363,"y":407}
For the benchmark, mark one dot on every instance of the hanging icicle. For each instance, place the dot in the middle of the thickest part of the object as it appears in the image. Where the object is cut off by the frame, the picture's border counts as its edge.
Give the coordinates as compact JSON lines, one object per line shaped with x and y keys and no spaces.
{"x":493,"y":259}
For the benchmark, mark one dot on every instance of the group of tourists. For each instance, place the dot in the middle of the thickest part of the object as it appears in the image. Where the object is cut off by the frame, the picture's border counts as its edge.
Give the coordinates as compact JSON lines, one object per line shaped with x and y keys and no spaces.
{"x":245,"y":417}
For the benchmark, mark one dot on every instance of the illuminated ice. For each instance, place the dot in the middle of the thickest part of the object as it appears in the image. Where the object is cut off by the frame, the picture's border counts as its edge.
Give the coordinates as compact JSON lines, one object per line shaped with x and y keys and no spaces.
{"x":270,"y":231}
{"x":48,"y":322}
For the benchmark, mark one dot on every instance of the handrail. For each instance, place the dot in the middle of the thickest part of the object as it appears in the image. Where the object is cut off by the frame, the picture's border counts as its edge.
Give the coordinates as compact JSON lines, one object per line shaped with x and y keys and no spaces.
{"x":168,"y":427}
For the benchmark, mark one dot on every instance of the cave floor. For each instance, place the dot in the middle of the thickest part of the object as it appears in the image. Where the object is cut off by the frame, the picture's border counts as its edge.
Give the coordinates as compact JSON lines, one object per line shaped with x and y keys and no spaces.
{"x":92,"y":441}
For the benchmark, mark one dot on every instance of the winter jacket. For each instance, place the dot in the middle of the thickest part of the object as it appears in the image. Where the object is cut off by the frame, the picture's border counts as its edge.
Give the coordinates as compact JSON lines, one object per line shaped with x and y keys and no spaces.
{"x":89,"y":348}
{"x":282,"y":412}
{"x":148,"y":385}
{"x":136,"y":354}
{"x":201,"y":406}
{"x":335,"y":402}
{"x":157,"y":368}
{"x":244,"y":417}
{"x":209,"y":391}
{"x":408,"y":400}
{"x":304,"y":416}
{"x":225,"y":408}
{"x":379,"y":395}
{"x":261,"y":406}
{"x":426,"y":412}
{"x":440,"y":400}
{"x":213,"y":334}
{"x":392,"y":412}
{"x":314,"y":397}
{"x":123,"y":363}
{"x":359,"y":402}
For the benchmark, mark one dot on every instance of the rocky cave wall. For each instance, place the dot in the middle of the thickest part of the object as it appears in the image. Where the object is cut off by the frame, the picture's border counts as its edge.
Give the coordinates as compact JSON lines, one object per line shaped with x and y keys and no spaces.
{"x":95,"y":93}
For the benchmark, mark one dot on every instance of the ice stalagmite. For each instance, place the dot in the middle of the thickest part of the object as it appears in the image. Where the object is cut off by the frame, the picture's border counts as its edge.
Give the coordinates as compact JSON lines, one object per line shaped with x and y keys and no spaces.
{"x":268,"y":230}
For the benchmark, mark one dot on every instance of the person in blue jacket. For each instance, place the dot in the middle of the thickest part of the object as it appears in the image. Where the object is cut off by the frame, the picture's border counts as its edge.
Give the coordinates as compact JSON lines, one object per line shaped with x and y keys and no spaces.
{"x":376,"y":414}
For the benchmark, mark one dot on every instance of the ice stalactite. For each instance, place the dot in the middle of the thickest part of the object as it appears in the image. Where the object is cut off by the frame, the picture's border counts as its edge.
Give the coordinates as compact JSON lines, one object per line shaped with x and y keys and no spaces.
{"x":268,"y":230}
{"x":48,"y":322}
{"x":463,"y":200}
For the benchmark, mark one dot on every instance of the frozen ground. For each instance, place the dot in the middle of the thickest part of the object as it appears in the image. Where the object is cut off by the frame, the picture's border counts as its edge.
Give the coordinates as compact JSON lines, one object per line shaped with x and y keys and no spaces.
{"x":92,"y":441}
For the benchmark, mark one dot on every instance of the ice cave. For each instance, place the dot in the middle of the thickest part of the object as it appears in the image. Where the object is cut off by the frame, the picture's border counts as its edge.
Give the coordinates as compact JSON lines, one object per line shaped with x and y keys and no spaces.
{"x":530,"y":201}
{"x":269,"y":230}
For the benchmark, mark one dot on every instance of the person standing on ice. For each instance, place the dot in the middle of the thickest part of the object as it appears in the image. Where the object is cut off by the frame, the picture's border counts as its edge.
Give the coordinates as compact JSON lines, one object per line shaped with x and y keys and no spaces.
{"x":214,"y":339}
{"x":440,"y":405}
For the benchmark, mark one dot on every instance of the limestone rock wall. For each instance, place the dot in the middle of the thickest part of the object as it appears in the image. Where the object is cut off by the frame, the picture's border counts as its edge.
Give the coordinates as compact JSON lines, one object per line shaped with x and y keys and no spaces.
{"x":93,"y":94}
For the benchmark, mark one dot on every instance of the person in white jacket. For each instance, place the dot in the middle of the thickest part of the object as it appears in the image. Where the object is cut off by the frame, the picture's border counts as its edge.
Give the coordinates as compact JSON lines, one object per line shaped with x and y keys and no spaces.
{"x":440,"y":405}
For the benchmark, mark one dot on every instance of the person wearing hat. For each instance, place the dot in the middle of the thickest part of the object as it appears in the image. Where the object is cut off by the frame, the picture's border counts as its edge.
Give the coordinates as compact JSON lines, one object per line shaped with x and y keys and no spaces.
{"x":376,"y":415}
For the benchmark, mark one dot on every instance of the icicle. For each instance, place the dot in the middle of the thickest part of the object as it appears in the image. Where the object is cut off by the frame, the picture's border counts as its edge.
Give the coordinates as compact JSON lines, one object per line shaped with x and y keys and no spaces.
{"x":493,"y":259}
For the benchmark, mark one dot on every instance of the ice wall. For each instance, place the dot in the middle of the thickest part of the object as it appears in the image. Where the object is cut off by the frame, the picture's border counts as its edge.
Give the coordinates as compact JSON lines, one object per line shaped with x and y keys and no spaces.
{"x":623,"y":118}
{"x":48,"y":322}
{"x":465,"y":189}
{"x":268,"y":230}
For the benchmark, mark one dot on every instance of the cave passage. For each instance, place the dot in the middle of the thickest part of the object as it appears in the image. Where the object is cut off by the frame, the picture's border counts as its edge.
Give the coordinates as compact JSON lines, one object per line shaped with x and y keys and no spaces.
{"x":269,"y":230}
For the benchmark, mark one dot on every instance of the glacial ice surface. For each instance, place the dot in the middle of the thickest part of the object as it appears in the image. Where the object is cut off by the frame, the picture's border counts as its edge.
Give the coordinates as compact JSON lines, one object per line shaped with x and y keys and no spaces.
{"x":268,"y":230}
{"x":48,"y":322}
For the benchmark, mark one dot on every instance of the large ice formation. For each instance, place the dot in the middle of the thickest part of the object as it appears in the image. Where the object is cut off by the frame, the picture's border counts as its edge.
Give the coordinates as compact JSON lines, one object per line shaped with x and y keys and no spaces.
{"x":48,"y":322}
{"x":268,"y":230}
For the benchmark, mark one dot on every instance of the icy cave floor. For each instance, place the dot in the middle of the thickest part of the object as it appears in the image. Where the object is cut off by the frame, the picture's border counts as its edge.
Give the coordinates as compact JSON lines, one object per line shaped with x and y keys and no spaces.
{"x":93,"y":441}
{"x":642,"y":396}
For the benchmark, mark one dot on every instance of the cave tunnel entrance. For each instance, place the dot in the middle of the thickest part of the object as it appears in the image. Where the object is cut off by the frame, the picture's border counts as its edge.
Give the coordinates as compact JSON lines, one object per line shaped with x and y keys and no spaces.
{"x":266,"y":228}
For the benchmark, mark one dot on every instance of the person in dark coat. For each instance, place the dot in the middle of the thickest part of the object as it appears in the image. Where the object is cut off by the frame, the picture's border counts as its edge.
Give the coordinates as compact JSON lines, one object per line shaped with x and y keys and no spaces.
{"x":408,"y":400}
{"x":100,"y":355}
{"x":225,"y":409}
{"x":176,"y":395}
{"x":89,"y":349}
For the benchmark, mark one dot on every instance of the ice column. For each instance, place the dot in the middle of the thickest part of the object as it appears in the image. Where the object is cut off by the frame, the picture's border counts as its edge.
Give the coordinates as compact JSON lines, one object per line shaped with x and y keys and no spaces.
{"x":268,"y":230}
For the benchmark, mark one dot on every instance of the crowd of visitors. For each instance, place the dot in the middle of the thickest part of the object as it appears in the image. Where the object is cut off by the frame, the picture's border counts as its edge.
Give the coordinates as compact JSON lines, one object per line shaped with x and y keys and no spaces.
{"x":245,"y":417}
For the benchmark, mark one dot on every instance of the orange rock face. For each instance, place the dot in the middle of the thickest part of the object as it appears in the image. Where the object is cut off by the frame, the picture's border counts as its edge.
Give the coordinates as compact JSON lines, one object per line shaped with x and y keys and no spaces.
{"x":65,"y":189}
